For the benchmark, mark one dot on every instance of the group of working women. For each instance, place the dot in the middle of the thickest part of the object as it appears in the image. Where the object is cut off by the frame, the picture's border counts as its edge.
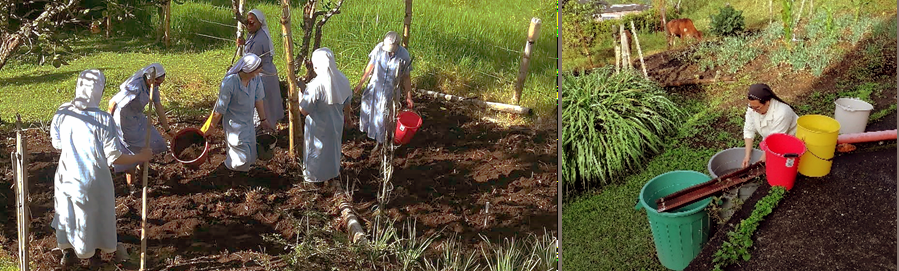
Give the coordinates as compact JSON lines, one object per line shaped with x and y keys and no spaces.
{"x":92,"y":141}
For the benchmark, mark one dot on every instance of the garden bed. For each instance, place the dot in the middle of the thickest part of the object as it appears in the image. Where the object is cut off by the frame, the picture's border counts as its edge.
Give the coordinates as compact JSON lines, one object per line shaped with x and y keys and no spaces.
{"x":844,"y":220}
{"x":211,"y":218}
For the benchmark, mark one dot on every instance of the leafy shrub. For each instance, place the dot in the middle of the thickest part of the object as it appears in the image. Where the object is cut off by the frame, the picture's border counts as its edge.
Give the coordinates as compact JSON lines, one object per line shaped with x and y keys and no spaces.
{"x":728,"y":21}
{"x":612,"y":122}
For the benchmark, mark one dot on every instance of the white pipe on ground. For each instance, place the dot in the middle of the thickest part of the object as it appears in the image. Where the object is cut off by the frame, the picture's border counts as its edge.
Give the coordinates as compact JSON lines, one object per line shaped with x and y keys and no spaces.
{"x":496,"y":106}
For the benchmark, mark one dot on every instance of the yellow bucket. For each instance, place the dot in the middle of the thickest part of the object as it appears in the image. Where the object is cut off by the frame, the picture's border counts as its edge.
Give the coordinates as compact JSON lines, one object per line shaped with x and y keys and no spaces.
{"x":819,"y":133}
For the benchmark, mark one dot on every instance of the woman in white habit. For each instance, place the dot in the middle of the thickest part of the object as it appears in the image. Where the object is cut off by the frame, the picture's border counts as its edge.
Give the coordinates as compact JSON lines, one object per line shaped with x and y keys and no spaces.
{"x":83,"y":195}
{"x":325,"y":103}
{"x":240,"y":94}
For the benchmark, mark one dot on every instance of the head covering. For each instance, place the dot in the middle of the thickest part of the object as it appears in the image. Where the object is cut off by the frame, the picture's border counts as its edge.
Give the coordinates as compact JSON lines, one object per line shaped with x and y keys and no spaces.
{"x":763,"y":94}
{"x":336,"y":86}
{"x":248,"y":63}
{"x":142,"y":73}
{"x":88,"y":90}
{"x":391,"y":42}
{"x":264,"y":28}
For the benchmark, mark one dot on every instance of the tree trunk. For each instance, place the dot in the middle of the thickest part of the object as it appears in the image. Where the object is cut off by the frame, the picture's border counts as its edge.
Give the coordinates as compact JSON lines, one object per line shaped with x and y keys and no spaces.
{"x":167,"y":23}
{"x":407,"y":22}
{"x":11,"y":42}
{"x":292,"y":100}
{"x":239,"y":32}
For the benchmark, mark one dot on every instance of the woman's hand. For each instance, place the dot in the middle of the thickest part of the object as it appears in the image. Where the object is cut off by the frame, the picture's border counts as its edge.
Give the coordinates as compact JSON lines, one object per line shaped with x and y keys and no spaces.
{"x":746,"y":161}
{"x":267,"y":126}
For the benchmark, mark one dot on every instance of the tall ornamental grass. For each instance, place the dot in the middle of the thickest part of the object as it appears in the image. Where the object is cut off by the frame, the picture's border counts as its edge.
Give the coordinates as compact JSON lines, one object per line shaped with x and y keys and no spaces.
{"x":612,"y":122}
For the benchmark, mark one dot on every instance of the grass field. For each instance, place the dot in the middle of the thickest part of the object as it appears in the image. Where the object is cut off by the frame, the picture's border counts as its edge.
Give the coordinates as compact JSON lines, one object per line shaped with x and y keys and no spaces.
{"x":601,"y":228}
{"x":755,"y":13}
{"x":469,"y":48}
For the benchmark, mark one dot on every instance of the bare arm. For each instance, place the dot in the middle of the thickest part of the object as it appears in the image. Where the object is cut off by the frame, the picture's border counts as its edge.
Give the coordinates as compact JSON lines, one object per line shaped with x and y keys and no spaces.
{"x":748,"y":153}
{"x":160,"y":111}
{"x":407,"y":84}
{"x":365,"y":75}
{"x":260,"y":109}
{"x":112,"y":106}
{"x":141,"y":157}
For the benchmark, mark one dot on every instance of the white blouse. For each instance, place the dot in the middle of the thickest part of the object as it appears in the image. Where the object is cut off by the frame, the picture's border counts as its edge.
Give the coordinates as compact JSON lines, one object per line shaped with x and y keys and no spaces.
{"x":780,"y":118}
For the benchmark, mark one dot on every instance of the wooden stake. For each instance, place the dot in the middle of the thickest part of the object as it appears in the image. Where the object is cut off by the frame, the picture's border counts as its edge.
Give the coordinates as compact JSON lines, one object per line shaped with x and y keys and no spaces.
{"x":20,"y":163}
{"x":770,"y":11}
{"x":239,"y":31}
{"x":625,"y":50}
{"x":617,"y":59}
{"x":167,"y":23}
{"x":108,"y":19}
{"x":146,"y":171}
{"x":639,"y":51}
{"x":293,"y":111}
{"x":533,"y":34}
{"x":407,"y":22}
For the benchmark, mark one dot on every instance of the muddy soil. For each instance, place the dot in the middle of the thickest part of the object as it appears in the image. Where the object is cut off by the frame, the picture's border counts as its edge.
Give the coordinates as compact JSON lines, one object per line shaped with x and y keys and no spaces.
{"x":211,"y":218}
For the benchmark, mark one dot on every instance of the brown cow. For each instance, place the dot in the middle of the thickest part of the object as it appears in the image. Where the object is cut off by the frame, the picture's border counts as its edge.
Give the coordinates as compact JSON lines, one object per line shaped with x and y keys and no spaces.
{"x":682,"y":28}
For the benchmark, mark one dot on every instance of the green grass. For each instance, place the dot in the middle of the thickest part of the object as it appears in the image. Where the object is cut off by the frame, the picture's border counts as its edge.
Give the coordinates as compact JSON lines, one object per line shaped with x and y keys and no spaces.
{"x":756,"y":17}
{"x":460,"y":47}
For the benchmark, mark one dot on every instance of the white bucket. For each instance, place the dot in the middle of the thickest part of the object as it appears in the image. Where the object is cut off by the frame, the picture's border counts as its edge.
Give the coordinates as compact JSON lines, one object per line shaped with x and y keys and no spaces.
{"x":852,"y":114}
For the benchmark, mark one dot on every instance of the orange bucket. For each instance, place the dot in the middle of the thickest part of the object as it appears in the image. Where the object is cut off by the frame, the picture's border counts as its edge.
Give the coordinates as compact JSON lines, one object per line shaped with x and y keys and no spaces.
{"x":407,"y":124}
{"x":184,"y":139}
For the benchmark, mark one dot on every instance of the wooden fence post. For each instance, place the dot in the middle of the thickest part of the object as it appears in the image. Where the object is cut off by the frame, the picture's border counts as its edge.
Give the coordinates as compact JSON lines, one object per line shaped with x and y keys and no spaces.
{"x":167,"y":23}
{"x":22,"y":211}
{"x":407,"y":22}
{"x":533,"y":34}
{"x":617,"y":58}
{"x":639,"y":51}
{"x":293,"y":110}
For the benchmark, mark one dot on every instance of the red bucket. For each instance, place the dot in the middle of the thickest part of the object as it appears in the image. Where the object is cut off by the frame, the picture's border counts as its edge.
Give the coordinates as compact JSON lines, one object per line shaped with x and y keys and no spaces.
{"x":184,"y":139}
{"x":407,"y":123}
{"x":782,"y":152}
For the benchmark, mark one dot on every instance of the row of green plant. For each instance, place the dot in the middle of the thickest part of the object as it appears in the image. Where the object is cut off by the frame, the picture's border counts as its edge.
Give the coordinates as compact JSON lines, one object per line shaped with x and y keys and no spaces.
{"x":816,"y":47}
{"x":612,"y":121}
{"x":739,"y":240}
{"x":408,"y":250}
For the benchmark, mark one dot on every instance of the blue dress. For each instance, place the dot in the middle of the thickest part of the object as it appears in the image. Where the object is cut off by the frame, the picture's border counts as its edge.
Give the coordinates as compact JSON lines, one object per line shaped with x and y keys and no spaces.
{"x":379,"y":93}
{"x":322,"y":134}
{"x":274,"y":105}
{"x":237,"y":103}
{"x":132,"y":123}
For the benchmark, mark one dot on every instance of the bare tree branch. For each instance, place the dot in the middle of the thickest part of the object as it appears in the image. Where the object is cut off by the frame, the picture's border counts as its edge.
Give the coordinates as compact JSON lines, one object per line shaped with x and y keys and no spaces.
{"x":9,"y":42}
{"x":318,"y":26}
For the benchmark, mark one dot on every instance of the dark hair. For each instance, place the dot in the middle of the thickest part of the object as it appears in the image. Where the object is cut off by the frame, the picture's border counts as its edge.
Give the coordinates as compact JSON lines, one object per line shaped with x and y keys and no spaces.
{"x":763,"y":94}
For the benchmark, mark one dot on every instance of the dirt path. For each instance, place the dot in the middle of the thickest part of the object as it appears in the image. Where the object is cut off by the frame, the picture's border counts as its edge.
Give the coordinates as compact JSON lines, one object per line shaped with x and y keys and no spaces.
{"x":210,"y":218}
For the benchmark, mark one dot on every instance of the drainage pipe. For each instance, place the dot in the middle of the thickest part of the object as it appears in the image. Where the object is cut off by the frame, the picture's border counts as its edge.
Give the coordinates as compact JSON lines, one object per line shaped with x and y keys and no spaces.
{"x":867,"y":137}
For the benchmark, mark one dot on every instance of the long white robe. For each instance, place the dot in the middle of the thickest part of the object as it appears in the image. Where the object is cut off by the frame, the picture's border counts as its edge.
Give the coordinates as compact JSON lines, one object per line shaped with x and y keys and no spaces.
{"x":83,"y":195}
{"x":323,"y":134}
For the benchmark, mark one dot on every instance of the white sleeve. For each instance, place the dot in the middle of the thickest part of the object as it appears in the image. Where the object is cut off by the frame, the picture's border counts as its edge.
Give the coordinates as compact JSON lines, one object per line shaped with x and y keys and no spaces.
{"x":748,"y":129}
{"x":54,"y":131}
{"x":112,"y":147}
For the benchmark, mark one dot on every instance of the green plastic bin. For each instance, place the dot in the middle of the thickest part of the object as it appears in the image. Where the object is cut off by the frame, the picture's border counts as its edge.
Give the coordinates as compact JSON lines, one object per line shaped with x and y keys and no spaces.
{"x":678,"y":234}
